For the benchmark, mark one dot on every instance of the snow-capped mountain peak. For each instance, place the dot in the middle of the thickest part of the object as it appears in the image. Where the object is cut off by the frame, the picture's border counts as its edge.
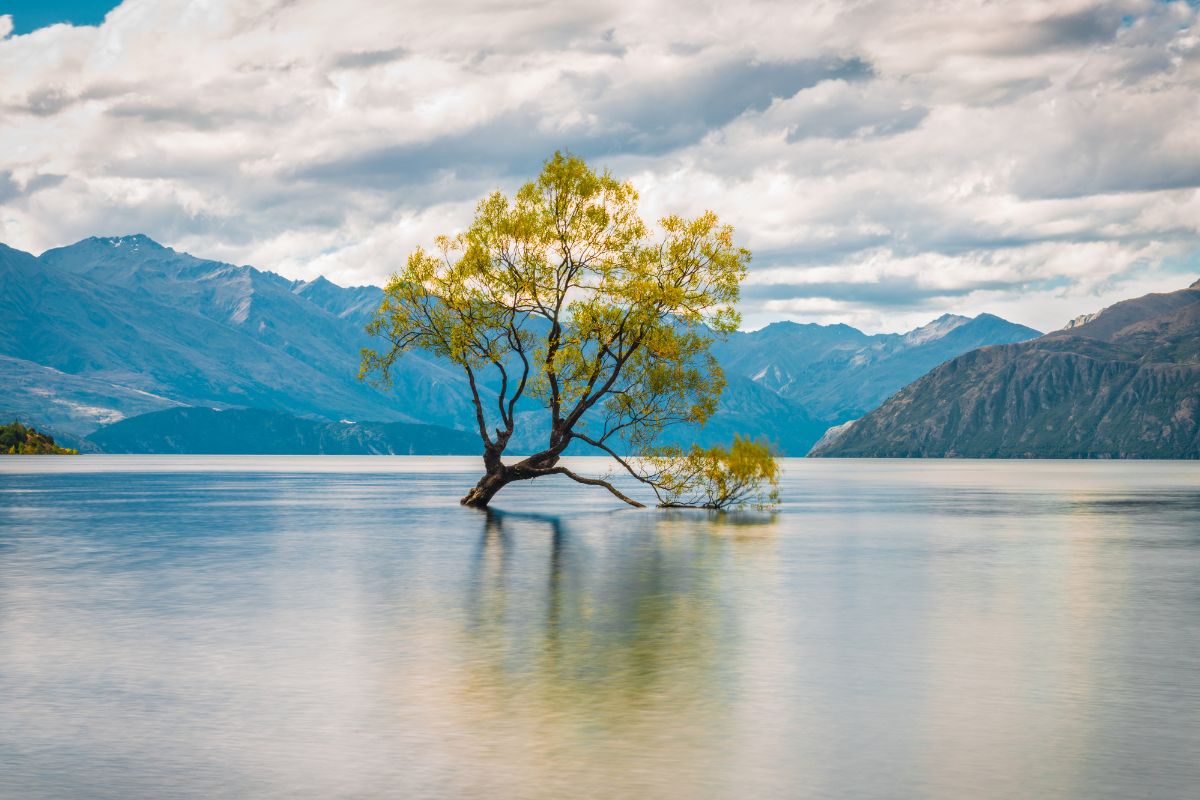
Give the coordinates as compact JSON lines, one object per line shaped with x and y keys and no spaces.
{"x":935,"y":329}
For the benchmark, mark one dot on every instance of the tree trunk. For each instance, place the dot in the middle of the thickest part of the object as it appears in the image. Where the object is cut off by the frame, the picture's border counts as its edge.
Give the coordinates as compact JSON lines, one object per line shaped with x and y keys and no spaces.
{"x":486,"y":489}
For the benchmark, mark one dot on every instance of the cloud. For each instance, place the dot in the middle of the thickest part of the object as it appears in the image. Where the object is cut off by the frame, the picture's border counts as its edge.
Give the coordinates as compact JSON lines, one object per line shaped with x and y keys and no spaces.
{"x":12,"y":189}
{"x":605,"y":121}
{"x":369,"y":58}
{"x":9,"y":190}
{"x":1084,"y":27}
{"x":884,"y":160}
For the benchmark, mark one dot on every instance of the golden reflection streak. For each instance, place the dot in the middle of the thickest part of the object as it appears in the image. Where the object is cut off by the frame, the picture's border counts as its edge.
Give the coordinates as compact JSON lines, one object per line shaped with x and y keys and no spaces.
{"x":628,"y":681}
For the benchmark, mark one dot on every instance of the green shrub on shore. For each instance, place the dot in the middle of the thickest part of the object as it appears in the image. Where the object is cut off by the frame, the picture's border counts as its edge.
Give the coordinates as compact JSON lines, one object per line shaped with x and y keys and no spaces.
{"x":19,"y":440}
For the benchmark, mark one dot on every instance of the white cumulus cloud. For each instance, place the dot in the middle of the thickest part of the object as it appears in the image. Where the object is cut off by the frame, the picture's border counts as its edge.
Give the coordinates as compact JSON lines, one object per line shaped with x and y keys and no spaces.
{"x":885,"y":161}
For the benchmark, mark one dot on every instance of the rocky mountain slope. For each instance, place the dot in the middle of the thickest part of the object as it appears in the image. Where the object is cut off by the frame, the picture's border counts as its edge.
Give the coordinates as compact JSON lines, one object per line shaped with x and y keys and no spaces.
{"x":838,"y":373}
{"x":110,"y":328}
{"x":1124,"y":383}
{"x":161,"y":329}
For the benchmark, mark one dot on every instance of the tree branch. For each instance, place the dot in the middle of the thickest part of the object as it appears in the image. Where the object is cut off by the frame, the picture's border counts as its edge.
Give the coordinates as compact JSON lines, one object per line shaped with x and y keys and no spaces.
{"x":592,"y":482}
{"x":487,"y":440}
{"x":514,"y":338}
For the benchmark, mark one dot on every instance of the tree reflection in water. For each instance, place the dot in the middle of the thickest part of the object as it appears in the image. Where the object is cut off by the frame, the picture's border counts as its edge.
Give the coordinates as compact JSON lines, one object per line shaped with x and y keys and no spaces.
{"x":617,"y":652}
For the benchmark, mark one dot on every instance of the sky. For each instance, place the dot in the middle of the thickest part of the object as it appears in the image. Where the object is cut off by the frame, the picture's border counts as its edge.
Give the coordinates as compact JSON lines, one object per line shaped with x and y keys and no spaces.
{"x":885,"y":161}
{"x":29,"y":15}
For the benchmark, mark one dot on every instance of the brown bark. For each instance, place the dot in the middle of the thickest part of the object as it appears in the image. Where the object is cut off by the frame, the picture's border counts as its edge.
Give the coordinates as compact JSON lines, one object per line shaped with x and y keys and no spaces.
{"x":499,"y":475}
{"x":486,"y":489}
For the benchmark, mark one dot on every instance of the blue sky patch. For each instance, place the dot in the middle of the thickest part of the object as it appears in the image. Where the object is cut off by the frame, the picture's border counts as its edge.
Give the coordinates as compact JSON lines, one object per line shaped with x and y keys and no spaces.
{"x":29,"y":15}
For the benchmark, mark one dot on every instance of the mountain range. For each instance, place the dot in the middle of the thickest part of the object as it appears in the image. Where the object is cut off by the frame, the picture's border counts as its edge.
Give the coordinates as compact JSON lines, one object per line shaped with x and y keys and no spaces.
{"x":254,"y":431}
{"x":111,"y":328}
{"x":837,"y":373}
{"x":1120,"y":383}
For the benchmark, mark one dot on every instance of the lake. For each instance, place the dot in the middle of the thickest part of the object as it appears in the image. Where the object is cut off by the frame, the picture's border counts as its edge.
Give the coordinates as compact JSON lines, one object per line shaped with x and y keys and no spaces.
{"x":296,"y":627}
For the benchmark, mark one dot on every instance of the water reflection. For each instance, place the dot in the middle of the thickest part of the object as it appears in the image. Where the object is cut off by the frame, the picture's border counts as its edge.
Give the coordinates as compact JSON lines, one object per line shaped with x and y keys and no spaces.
{"x":595,"y":663}
{"x":935,"y":631}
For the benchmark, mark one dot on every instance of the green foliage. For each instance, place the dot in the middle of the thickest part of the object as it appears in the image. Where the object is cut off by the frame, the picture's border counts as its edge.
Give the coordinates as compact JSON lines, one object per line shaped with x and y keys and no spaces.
{"x":745,"y":474}
{"x":18,"y":440}
{"x":564,"y":296}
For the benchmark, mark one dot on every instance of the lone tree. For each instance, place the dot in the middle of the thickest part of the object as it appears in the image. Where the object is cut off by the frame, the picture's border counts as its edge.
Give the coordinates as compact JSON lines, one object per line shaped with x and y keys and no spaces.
{"x":561,"y":297}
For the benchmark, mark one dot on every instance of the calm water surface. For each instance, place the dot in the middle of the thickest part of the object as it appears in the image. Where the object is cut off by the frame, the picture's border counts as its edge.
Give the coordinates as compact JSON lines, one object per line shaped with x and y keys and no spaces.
{"x":340,"y":627}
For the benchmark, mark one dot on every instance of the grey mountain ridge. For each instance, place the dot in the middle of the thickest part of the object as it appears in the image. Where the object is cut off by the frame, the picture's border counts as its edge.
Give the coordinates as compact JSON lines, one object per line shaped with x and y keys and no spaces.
{"x":115,"y":327}
{"x":838,"y":373}
{"x":1121,"y":383}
